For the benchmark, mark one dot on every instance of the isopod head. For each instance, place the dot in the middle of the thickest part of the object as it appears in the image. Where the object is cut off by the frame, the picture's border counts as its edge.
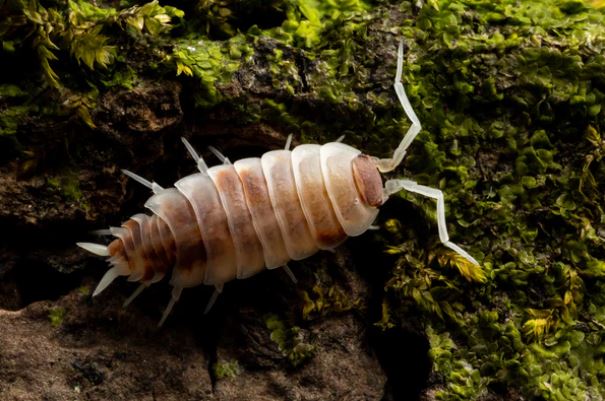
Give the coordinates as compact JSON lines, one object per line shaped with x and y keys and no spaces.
{"x":368,"y":180}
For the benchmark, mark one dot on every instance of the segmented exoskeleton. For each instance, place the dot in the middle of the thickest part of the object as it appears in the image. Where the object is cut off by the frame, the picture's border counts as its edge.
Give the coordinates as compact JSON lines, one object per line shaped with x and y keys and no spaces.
{"x":236,"y":219}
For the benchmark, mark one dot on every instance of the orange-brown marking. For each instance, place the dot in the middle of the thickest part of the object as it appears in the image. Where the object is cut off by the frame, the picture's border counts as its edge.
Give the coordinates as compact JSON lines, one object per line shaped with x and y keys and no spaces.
{"x":151,"y":257}
{"x":166,"y":241}
{"x":230,"y":187}
{"x":368,"y":180}
{"x":117,"y":252}
{"x":156,"y":242}
{"x":191,"y":246}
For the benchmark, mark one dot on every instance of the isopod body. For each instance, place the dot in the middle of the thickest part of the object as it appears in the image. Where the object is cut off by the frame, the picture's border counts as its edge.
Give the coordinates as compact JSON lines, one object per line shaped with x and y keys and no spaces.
{"x":234,"y":220}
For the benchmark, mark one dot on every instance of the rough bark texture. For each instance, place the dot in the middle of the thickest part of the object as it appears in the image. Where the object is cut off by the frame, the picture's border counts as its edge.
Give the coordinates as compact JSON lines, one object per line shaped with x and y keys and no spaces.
{"x":510,"y":95}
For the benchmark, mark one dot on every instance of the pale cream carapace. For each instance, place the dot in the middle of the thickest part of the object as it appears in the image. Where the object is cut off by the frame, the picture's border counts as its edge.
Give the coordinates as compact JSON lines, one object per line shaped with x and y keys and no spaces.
{"x":235,"y":220}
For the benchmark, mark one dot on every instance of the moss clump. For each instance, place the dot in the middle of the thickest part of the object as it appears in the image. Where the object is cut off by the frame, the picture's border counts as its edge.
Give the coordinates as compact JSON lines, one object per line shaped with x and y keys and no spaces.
{"x":213,"y":63}
{"x":226,"y":369}
{"x":68,"y":185}
{"x":84,"y":290}
{"x":56,"y":316}
{"x":322,"y":300}
{"x":12,"y":108}
{"x":289,"y":341}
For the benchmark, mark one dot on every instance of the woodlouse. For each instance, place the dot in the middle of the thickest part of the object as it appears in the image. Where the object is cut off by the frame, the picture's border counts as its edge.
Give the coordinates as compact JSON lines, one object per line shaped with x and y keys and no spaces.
{"x":234,"y":220}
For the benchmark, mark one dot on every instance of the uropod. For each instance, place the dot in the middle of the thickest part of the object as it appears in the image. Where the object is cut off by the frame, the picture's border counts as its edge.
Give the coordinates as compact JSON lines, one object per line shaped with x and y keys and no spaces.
{"x":236,"y":219}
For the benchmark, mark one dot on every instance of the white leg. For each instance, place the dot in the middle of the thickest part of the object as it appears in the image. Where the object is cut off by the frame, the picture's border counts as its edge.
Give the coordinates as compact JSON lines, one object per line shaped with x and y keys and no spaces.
{"x":201,"y":164}
{"x":288,"y":142}
{"x":176,"y":294}
{"x":118,"y":232}
{"x":340,"y":138}
{"x":97,"y":249}
{"x":386,"y":165}
{"x":151,"y":185}
{"x":219,"y":155}
{"x":108,"y":277}
{"x":135,"y":294}
{"x":290,"y":274}
{"x":101,"y":232}
{"x":217,"y":291}
{"x":392,"y":186}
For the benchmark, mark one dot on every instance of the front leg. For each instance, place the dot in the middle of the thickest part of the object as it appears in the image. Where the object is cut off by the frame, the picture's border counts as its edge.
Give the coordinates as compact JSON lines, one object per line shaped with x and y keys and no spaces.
{"x":386,"y":165}
{"x":396,"y":185}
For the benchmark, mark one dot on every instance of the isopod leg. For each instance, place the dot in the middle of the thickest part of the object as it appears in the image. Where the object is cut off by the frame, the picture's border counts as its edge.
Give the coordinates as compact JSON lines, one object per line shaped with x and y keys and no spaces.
{"x":97,"y":249}
{"x":290,"y":274}
{"x":392,"y":186}
{"x":217,"y":291}
{"x":108,"y":277}
{"x":201,"y":164}
{"x":219,"y":155}
{"x":288,"y":142}
{"x":102,"y":232}
{"x":135,"y":294}
{"x":176,"y":294}
{"x":143,"y":181}
{"x":386,"y":165}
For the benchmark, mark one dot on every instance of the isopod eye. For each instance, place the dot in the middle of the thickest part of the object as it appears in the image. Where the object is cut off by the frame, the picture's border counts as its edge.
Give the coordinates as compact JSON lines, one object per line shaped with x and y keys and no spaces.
{"x":368,"y":180}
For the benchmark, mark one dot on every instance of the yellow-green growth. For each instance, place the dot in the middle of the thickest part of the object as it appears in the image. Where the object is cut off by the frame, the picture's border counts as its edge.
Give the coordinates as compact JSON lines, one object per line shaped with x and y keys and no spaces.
{"x":321,"y":301}
{"x":88,"y":33}
{"x":226,"y":369}
{"x":211,"y":62}
{"x":289,"y":341}
{"x":56,"y":315}
{"x":68,"y":186}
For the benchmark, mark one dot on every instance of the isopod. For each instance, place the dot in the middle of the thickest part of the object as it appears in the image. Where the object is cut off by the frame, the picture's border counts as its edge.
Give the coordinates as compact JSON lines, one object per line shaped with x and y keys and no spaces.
{"x":236,"y":219}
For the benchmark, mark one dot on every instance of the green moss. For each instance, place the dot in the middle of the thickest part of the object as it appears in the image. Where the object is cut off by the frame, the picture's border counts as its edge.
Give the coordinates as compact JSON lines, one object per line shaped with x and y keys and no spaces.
{"x":89,"y":34}
{"x":289,"y":341}
{"x":322,"y":300}
{"x":84,"y":290}
{"x":212,"y":63}
{"x":56,"y":316}
{"x":67,"y":185}
{"x":307,"y":20}
{"x":14,"y":110}
{"x":226,"y":369}
{"x":510,"y":101}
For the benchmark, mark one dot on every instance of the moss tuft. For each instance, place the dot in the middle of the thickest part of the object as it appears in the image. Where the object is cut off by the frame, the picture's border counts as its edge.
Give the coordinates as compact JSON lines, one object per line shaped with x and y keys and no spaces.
{"x":289,"y":341}
{"x":56,"y":316}
{"x":226,"y":369}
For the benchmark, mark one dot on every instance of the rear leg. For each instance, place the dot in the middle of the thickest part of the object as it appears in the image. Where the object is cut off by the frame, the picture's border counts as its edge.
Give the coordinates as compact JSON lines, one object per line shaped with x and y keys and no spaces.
{"x":96,"y":249}
{"x":108,"y":277}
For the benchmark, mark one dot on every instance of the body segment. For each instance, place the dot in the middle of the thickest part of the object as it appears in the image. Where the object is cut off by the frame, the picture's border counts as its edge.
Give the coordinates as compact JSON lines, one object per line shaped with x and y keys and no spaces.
{"x":251,"y":174}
